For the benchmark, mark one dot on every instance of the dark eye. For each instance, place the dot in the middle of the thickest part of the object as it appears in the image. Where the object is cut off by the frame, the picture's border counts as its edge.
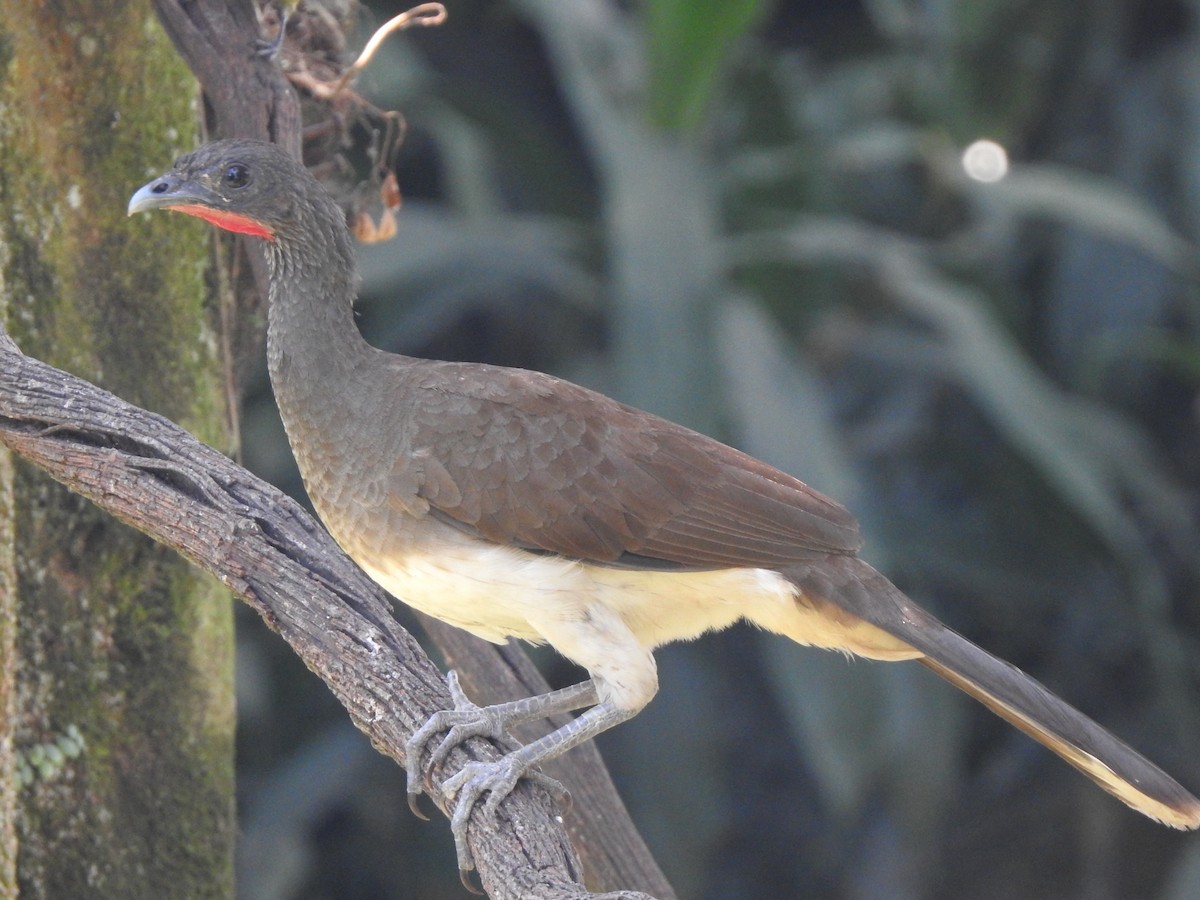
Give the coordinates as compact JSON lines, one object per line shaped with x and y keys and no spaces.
{"x":236,"y":176}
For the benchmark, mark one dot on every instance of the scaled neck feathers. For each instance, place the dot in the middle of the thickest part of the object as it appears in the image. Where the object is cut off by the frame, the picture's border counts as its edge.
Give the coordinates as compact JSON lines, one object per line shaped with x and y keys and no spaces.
{"x":313,"y":342}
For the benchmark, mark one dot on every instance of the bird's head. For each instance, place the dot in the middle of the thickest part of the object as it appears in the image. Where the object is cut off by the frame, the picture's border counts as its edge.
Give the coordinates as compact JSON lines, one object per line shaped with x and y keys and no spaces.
{"x":245,"y":186}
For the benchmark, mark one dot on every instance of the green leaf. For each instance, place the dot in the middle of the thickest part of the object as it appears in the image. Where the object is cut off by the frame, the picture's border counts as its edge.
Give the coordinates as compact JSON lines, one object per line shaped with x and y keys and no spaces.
{"x":688,"y":43}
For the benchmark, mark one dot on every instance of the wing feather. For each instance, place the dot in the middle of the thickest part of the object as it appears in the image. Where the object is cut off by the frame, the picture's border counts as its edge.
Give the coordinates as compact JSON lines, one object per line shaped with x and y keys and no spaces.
{"x":527,"y":459}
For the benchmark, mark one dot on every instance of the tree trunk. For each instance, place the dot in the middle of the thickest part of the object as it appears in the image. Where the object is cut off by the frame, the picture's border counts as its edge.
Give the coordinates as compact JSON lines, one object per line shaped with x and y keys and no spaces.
{"x":116,"y":744}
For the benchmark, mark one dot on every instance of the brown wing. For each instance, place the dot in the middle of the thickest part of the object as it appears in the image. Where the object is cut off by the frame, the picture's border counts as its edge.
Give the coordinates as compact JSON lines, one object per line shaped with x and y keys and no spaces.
{"x":526,"y":459}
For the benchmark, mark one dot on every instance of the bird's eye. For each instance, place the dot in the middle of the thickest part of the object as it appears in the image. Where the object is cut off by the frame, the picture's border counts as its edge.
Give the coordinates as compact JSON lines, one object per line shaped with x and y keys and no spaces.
{"x":236,"y":176}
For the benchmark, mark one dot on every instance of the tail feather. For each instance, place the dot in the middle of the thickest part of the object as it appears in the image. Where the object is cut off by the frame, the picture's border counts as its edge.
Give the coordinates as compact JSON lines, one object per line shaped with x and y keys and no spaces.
{"x":1011,"y":694}
{"x":1094,"y":751}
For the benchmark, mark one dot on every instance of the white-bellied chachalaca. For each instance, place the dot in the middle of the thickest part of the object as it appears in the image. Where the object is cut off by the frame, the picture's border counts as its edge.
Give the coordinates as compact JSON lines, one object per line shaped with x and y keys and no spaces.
{"x":514,"y":504}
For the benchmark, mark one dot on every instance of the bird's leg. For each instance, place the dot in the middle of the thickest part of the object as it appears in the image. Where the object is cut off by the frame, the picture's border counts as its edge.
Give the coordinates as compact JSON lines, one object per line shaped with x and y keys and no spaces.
{"x":467,"y":720}
{"x":498,"y":778}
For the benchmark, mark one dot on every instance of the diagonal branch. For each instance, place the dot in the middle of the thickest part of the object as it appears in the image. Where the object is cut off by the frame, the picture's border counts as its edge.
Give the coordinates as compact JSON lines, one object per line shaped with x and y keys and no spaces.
{"x":156,"y":477}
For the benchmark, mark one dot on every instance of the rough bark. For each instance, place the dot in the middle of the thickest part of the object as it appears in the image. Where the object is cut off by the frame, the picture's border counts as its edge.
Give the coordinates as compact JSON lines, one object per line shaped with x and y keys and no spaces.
{"x":117,"y":656}
{"x":8,"y":684}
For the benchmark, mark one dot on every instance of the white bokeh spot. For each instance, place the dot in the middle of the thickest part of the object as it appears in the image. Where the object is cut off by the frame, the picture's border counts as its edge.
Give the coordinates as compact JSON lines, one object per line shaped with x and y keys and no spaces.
{"x":985,"y":161}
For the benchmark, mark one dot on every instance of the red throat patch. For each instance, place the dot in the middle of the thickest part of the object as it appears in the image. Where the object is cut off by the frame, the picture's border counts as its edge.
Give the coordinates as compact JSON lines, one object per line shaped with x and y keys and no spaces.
{"x":227,"y":220}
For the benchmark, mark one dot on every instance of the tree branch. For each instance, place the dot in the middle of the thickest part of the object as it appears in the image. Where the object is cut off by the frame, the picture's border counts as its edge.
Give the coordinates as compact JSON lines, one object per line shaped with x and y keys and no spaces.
{"x":246,"y":94}
{"x":155,"y":476}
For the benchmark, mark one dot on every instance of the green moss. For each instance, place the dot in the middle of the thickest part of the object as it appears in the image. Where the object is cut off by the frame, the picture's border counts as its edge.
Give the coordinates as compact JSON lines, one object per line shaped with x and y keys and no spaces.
{"x":150,"y":639}
{"x":129,"y":118}
{"x":119,"y":639}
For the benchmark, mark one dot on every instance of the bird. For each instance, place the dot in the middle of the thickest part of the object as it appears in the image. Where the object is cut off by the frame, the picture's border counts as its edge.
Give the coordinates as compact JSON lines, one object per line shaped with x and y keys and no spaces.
{"x":514,"y":504}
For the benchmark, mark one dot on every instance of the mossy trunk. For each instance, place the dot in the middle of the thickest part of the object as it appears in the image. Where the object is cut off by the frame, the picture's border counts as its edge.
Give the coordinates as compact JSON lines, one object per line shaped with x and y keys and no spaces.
{"x":116,"y":660}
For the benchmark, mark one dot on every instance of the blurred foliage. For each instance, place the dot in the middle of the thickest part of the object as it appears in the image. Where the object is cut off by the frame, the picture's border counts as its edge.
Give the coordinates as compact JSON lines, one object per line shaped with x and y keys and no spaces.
{"x":754,"y":218}
{"x":688,"y":43}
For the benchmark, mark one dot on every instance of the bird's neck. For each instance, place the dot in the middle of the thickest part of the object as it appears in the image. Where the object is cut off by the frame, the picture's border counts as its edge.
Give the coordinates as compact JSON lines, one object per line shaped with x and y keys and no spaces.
{"x":315,"y":352}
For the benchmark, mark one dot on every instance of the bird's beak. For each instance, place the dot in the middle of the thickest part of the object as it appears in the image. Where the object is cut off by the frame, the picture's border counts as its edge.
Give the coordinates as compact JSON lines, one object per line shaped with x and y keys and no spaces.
{"x":164,"y":192}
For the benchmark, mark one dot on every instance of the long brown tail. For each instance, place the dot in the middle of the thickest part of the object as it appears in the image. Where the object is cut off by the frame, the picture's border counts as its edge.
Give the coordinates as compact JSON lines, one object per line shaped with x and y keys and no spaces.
{"x":1007,"y":691}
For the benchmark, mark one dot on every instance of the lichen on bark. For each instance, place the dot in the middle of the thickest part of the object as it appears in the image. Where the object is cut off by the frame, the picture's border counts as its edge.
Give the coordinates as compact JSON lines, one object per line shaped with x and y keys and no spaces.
{"x":115,"y":636}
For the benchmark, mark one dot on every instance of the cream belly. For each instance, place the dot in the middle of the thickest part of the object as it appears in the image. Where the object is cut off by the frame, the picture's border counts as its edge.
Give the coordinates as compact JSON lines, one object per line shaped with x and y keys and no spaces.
{"x":500,"y":592}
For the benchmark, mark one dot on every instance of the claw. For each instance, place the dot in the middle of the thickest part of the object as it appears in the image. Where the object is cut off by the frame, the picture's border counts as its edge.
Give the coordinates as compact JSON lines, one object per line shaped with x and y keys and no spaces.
{"x":498,"y":778}
{"x":471,"y":721}
{"x":465,"y":721}
{"x":553,"y":787}
{"x":464,"y":875}
{"x":414,"y":804}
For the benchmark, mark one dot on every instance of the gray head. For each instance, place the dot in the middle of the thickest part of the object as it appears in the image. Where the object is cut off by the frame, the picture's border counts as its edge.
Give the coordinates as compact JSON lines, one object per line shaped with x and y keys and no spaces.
{"x":246,"y":186}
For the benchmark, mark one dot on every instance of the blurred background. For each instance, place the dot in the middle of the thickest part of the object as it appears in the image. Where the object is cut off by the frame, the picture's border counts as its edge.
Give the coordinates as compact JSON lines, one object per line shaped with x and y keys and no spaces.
{"x":937,"y":260}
